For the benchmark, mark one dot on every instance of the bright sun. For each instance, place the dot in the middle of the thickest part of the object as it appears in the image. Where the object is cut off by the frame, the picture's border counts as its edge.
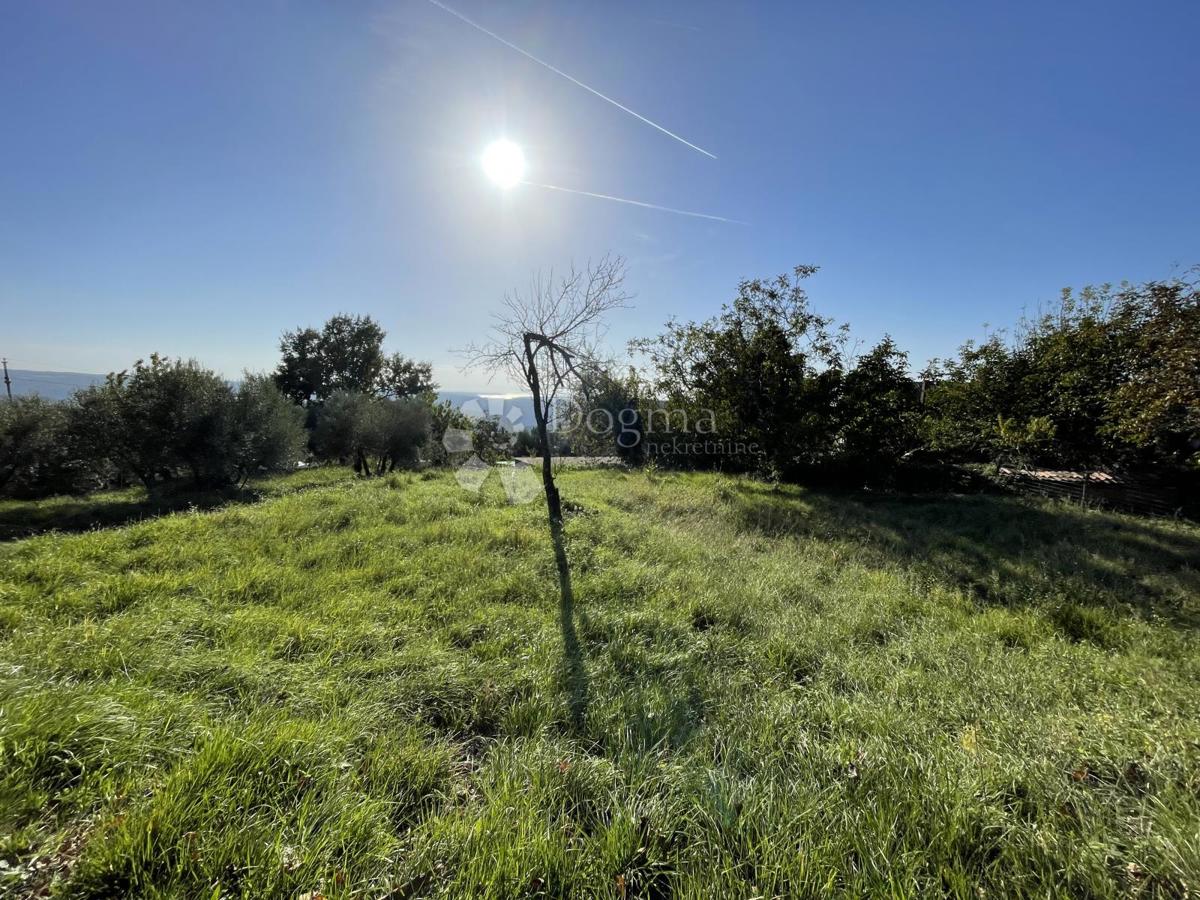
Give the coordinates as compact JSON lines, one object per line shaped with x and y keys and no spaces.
{"x":504,"y":163}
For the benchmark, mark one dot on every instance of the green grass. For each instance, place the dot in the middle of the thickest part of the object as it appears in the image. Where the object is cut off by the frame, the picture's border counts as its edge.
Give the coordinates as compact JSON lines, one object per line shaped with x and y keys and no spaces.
{"x":369,"y":689}
{"x":22,"y":518}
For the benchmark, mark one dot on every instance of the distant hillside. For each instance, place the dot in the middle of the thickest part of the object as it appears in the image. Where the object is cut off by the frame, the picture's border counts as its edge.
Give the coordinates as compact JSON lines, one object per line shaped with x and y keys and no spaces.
{"x":515,"y":411}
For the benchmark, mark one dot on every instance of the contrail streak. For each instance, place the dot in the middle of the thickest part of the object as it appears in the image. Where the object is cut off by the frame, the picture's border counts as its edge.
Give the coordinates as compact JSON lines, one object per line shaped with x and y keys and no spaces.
{"x":575,"y":81}
{"x":678,"y":212}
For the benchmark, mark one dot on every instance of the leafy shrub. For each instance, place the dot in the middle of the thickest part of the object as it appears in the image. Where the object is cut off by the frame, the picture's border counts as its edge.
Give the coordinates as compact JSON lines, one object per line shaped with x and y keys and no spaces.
{"x":879,"y":406}
{"x":490,"y":439}
{"x":393,"y":432}
{"x":443,"y":417}
{"x":268,"y":429}
{"x":605,"y":416}
{"x":160,"y":421}
{"x":347,"y":355}
{"x":31,"y":438}
{"x":373,"y":434}
{"x":1108,"y":379}
{"x":764,"y":372}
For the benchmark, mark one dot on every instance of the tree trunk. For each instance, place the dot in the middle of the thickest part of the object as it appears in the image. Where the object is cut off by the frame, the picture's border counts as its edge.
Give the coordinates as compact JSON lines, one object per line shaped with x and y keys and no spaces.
{"x":576,"y":679}
{"x":553,"y":500}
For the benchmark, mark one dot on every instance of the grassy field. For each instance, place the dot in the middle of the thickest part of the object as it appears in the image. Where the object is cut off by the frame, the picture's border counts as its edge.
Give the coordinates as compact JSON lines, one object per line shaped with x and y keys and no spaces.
{"x":20,"y":518}
{"x":369,"y":689}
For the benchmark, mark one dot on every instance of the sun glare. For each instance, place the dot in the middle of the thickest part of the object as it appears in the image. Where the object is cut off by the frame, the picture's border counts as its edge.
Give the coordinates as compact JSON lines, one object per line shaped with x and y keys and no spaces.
{"x":504,"y":163}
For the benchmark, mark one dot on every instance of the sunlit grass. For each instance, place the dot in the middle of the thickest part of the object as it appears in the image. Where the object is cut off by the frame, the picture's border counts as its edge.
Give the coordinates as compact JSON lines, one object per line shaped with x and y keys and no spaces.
{"x":359,"y":688}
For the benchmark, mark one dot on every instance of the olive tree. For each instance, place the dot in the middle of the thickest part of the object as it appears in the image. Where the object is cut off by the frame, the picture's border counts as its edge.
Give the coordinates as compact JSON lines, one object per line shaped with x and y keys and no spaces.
{"x":31,"y":439}
{"x":267,"y":432}
{"x":374,"y":434}
{"x":166,"y":418}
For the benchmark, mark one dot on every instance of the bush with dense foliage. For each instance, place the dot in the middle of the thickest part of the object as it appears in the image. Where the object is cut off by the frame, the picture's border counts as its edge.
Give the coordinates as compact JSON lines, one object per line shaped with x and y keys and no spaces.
{"x":1110,"y":379}
{"x":373,"y":434}
{"x":165,"y":419}
{"x":32,"y":446}
{"x":268,"y":433}
{"x":160,"y":421}
{"x":879,"y":408}
{"x":604,"y":416}
{"x":765,"y":372}
{"x":347,"y":355}
{"x":444,"y":417}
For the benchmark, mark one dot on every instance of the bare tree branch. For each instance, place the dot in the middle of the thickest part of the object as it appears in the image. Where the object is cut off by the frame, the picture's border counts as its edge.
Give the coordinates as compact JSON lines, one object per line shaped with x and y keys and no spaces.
{"x":564,"y":317}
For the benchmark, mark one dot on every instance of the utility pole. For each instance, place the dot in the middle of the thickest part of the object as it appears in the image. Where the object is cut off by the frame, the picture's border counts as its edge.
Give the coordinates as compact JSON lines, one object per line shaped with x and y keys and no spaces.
{"x":7,"y":380}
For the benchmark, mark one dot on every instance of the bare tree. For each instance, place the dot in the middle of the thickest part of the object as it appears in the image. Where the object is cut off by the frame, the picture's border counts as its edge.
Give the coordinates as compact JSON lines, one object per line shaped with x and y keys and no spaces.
{"x":545,"y":337}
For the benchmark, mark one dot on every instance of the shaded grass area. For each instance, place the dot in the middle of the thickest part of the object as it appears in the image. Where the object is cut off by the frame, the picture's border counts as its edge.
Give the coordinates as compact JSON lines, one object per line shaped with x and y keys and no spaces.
{"x":104,"y":509}
{"x":371,"y":690}
{"x":1000,"y":549}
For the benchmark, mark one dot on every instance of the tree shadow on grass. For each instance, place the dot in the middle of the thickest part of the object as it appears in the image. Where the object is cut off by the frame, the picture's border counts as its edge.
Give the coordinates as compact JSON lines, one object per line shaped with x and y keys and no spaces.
{"x":650,"y":695}
{"x":575,"y":682}
{"x":1002,"y":549}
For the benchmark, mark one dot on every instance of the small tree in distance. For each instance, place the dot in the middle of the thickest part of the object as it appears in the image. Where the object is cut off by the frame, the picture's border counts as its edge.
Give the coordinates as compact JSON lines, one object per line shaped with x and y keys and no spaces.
{"x":373,"y":434}
{"x":268,"y":429}
{"x":545,"y":338}
{"x":347,"y":355}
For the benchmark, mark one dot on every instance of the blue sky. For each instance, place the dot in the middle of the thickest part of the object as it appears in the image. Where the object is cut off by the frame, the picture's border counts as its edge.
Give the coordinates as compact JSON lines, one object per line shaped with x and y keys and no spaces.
{"x":193,"y":178}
